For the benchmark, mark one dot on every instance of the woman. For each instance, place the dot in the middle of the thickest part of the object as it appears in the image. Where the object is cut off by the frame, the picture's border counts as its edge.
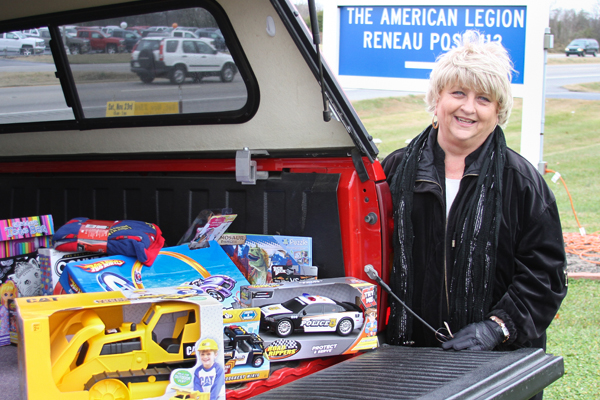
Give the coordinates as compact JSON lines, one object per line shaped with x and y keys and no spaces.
{"x":478,"y":241}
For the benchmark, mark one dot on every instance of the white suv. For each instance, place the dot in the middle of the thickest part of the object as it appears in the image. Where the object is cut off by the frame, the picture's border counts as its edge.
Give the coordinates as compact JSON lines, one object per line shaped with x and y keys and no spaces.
{"x":180,"y":58}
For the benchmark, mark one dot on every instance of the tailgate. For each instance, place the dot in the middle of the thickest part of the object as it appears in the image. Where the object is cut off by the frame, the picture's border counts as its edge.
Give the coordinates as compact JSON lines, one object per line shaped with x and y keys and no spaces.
{"x":393,"y":372}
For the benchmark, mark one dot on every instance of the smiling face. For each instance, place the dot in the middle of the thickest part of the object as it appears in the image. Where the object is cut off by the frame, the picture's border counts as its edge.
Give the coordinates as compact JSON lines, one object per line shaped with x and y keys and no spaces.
{"x":207,"y":358}
{"x":466,"y":118}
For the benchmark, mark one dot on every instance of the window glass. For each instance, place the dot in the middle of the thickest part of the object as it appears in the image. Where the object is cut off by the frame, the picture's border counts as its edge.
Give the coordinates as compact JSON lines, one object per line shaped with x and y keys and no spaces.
{"x":156,"y":77}
{"x":172,"y":46}
{"x":29,"y":89}
{"x":140,"y":73}
{"x":189,"y":47}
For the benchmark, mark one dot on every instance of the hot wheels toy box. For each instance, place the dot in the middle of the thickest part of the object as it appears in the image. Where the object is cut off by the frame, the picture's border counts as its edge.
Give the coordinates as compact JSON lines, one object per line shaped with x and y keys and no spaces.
{"x":261,"y":257}
{"x":118,"y":345}
{"x":245,"y":354}
{"x":200,"y":271}
{"x":315,"y":318}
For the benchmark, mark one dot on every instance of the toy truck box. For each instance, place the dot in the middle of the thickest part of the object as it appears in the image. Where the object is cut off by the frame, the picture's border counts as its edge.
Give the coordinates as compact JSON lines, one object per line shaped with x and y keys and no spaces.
{"x":268,"y":258}
{"x":137,"y":345}
{"x":245,"y":355}
{"x":52,"y":263}
{"x":280,"y":145}
{"x":315,"y":318}
{"x":200,"y":271}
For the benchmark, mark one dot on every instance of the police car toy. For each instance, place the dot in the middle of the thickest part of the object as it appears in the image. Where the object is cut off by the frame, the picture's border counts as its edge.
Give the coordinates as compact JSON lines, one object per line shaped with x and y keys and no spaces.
{"x":309,"y":313}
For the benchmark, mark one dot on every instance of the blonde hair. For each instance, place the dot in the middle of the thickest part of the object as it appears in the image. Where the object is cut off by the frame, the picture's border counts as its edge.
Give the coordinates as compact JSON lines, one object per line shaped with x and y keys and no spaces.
{"x":8,"y":286}
{"x":478,"y":65}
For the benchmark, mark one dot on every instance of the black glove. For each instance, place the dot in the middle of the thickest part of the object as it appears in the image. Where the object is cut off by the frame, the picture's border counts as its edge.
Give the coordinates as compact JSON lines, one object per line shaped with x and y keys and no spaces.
{"x":484,"y":335}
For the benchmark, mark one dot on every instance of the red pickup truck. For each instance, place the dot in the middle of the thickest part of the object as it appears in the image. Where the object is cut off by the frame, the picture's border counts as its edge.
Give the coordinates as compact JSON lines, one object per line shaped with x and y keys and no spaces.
{"x":287,"y":158}
{"x":100,"y":42}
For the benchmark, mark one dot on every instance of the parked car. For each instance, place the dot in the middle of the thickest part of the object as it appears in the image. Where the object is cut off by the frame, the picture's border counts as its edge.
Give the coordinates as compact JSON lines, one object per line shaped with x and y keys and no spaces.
{"x":183,"y":33}
{"x":137,"y":29}
{"x":100,"y":42}
{"x":109,"y":29}
{"x":212,"y":33}
{"x":131,"y":38}
{"x":162,"y":29}
{"x":73,"y":43}
{"x":180,"y":58}
{"x":16,"y":42}
{"x":581,"y":47}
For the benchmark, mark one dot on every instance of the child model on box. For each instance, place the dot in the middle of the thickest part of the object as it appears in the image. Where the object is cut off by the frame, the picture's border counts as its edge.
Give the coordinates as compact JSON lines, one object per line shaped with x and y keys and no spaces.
{"x":209,"y":376}
{"x":8,"y":291}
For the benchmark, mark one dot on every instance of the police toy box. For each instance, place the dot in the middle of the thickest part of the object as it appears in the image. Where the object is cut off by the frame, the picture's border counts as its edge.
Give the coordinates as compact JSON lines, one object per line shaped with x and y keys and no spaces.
{"x":200,"y":271}
{"x":315,"y":318}
{"x":116,"y":345}
{"x":244,"y":349}
{"x":261,"y":257}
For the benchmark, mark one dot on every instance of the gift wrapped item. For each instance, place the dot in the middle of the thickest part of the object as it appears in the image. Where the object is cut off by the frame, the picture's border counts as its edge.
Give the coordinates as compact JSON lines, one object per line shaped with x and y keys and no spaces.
{"x":142,"y":240}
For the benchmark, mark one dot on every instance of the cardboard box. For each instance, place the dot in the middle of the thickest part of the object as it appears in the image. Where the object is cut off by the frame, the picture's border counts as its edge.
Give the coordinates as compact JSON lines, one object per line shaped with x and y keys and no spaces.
{"x":52,"y":263}
{"x":315,"y":333}
{"x":245,"y":353}
{"x":201,"y":271}
{"x":259,"y":256}
{"x":73,"y":345}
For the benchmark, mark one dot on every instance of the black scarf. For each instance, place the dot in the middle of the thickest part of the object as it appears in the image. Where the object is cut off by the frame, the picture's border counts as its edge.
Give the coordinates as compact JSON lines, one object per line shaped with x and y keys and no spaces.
{"x":478,"y":224}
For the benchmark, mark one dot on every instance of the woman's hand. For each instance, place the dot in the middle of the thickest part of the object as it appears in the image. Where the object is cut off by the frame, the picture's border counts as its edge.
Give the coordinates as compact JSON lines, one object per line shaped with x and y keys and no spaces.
{"x":484,"y":335}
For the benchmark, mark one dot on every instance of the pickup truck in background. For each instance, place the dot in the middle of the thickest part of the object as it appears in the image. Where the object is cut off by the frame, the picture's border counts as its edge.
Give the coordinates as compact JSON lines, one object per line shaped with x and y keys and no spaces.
{"x":16,"y":42}
{"x":74,"y":44}
{"x":101,"y":42}
{"x":280,"y":144}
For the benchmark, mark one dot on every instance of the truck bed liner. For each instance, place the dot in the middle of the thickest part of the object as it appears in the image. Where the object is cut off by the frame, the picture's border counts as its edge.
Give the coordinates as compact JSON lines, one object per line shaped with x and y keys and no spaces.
{"x":393,"y":372}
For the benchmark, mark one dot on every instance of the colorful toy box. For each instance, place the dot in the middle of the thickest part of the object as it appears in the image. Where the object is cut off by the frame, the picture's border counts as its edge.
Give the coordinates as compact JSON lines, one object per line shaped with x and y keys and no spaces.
{"x":245,"y":353}
{"x":200,"y":271}
{"x":19,"y":269}
{"x":52,"y":263}
{"x":143,"y":344}
{"x":25,"y":235}
{"x":260,"y":257}
{"x":323,"y":317}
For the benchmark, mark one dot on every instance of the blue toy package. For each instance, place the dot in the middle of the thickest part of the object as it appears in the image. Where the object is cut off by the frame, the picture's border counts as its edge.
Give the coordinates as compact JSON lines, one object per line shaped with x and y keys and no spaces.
{"x":201,"y":271}
{"x":260,"y":257}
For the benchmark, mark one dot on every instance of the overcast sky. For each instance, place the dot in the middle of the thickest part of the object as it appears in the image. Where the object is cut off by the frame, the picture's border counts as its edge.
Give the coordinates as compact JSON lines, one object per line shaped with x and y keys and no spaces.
{"x":586,"y":5}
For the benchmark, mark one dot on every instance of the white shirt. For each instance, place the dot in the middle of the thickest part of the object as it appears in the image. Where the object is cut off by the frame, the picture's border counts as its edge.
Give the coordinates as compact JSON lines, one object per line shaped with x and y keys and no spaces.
{"x":452,"y":186}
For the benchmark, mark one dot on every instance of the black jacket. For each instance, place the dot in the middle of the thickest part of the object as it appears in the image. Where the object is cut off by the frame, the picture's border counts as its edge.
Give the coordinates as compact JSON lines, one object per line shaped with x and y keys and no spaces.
{"x":530,"y":279}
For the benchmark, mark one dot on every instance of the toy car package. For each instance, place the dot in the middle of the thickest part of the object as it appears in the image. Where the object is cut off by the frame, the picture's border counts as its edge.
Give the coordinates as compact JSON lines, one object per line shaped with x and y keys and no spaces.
{"x":201,"y":271}
{"x":315,"y":318}
{"x":258,"y":255}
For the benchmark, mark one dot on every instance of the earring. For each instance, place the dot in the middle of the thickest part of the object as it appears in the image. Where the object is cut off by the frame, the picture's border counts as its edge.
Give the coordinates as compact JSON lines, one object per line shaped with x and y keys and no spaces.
{"x":434,"y":122}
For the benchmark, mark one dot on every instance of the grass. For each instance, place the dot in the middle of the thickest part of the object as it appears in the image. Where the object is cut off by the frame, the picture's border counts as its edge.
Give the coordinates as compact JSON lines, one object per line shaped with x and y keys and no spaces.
{"x":18,"y":79}
{"x":574,"y":335}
